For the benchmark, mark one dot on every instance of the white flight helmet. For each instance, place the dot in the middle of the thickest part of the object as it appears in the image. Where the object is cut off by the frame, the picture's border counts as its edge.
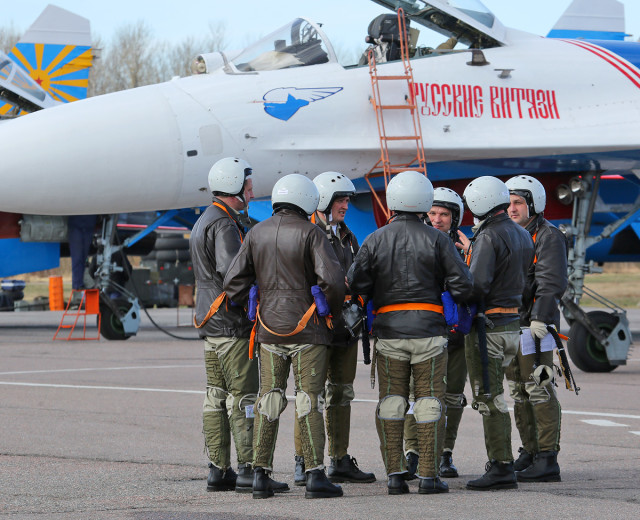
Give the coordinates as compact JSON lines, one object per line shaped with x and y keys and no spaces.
{"x":485,"y":194}
{"x":410,"y":191}
{"x":332,"y":185}
{"x":447,"y":198}
{"x":227,"y":176}
{"x":529,"y":189}
{"x":296,"y":190}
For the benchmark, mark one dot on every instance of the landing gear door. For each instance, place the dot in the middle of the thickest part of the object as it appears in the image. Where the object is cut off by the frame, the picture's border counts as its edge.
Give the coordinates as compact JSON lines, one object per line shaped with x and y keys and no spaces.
{"x":469,"y":21}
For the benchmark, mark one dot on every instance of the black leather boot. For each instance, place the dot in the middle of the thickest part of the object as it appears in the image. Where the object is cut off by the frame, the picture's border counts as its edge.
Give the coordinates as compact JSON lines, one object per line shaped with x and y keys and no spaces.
{"x":299,"y":476}
{"x":412,"y":466}
{"x":396,"y":484}
{"x":498,"y":476}
{"x":545,"y":468}
{"x":431,"y":486}
{"x":524,"y":460}
{"x":346,"y":470}
{"x":219,"y":480}
{"x":318,"y":486}
{"x":261,"y":484}
{"x":244,"y":482}
{"x":447,"y":469}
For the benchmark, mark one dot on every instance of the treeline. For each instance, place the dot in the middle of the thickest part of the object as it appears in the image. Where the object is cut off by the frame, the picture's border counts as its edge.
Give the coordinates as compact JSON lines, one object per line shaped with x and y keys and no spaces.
{"x":133,"y":57}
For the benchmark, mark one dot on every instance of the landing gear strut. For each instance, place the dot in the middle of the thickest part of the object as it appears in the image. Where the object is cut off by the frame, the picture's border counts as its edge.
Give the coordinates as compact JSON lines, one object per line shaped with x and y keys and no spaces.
{"x":598,"y":341}
{"x":119,"y":308}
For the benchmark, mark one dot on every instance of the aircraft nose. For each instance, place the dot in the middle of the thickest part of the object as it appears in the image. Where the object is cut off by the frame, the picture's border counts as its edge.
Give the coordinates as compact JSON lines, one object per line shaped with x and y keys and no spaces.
{"x":115,"y":153}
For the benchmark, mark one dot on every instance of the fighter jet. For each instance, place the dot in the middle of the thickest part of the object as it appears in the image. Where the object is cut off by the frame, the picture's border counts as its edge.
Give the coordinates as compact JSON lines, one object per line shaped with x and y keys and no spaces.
{"x":484,"y":99}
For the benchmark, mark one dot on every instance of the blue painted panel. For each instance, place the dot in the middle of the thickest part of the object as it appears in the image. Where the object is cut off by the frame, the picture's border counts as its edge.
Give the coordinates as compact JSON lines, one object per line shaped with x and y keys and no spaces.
{"x":589,"y":35}
{"x":27,"y":257}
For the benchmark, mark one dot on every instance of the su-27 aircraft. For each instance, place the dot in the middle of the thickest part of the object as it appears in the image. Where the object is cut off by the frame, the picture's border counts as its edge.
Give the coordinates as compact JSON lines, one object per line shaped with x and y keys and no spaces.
{"x":488,"y":100}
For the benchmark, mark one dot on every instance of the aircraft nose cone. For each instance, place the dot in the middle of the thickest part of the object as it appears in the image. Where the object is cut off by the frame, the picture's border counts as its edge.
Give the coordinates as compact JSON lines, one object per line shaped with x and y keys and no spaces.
{"x":110,"y":154}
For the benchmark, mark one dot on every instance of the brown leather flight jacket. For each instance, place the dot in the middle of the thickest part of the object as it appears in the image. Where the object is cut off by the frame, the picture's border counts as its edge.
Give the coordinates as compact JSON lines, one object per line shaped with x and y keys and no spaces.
{"x":215,"y":240}
{"x":285,"y":255}
{"x":547,"y":278}
{"x":407,"y":261}
{"x":501,"y":254}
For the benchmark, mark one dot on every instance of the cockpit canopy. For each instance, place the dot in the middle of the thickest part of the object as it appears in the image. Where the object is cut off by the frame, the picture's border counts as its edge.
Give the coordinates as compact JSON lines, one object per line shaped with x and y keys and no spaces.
{"x":468,"y":21}
{"x":297,"y":44}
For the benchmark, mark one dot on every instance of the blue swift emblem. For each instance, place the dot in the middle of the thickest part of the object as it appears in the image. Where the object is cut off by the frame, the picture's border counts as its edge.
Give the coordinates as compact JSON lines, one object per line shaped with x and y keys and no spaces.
{"x":282,"y":103}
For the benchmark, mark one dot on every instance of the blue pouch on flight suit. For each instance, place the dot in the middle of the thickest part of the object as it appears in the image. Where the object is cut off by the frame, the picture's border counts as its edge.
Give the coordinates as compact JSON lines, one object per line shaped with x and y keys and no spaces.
{"x":450,"y":309}
{"x":466,"y":313}
{"x":370,"y":315}
{"x":254,"y":296}
{"x":322,"y":307}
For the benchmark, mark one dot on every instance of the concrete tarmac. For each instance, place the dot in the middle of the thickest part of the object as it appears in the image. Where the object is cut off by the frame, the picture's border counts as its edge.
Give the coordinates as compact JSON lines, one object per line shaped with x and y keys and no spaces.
{"x":112,"y":430}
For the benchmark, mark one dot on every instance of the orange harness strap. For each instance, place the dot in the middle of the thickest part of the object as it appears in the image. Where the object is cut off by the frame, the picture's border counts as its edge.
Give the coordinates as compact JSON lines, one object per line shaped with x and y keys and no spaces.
{"x":299,"y":327}
{"x":212,"y":310}
{"x":410,"y":307}
{"x":502,"y":310}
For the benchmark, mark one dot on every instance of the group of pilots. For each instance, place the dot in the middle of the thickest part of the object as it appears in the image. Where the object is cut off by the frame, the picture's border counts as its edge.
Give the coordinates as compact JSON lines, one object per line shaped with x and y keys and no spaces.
{"x":445,"y":306}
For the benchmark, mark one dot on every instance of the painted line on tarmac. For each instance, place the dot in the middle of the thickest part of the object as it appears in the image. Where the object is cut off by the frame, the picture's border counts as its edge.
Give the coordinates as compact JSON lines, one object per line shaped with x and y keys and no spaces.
{"x":95,"y":369}
{"x":169,"y":390}
{"x":89,"y":387}
{"x":602,"y":422}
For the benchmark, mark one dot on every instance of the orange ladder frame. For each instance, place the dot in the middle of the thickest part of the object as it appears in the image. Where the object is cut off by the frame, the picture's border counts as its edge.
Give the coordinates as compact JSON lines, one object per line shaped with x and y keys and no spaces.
{"x":388,"y":169}
{"x":89,"y":305}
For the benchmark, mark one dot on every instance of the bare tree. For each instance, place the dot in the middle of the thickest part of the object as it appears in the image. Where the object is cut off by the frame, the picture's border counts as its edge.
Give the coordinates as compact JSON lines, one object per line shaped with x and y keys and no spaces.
{"x":133,"y":58}
{"x":9,"y":36}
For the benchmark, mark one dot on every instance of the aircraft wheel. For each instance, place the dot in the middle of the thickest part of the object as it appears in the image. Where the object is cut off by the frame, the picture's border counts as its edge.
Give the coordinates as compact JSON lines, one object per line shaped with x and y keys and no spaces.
{"x":585,"y":351}
{"x":110,"y":325}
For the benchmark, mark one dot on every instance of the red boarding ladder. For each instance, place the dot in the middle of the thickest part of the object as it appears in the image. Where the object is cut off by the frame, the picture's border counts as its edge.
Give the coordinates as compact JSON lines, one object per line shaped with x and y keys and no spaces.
{"x":417,"y":162}
{"x":89,"y":305}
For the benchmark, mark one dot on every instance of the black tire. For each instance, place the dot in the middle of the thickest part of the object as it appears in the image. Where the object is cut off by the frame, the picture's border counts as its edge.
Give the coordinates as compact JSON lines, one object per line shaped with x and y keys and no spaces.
{"x":110,"y":325}
{"x":163,"y":244}
{"x":173,"y":255}
{"x":584,"y":350}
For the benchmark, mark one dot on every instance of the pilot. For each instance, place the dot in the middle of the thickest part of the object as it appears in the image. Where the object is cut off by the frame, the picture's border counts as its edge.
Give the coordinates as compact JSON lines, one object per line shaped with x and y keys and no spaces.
{"x":404,"y":267}
{"x":232,"y":378}
{"x":499,"y":258}
{"x":289,"y":257}
{"x":335,"y":190}
{"x":445,"y":215}
{"x":536,"y":409}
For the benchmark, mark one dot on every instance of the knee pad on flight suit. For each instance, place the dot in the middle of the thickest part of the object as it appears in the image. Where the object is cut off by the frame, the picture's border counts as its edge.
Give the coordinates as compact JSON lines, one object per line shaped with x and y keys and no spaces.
{"x":392,"y":407}
{"x":215,"y":399}
{"x":272,"y":404}
{"x":427,"y":410}
{"x":306,"y":403}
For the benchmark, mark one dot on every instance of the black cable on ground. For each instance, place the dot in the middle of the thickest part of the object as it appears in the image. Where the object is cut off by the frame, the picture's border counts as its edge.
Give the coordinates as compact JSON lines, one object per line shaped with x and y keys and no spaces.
{"x":136,"y":293}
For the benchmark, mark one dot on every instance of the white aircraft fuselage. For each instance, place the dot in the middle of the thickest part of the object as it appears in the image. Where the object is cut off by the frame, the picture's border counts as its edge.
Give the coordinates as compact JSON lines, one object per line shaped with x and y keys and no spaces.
{"x":151,"y":148}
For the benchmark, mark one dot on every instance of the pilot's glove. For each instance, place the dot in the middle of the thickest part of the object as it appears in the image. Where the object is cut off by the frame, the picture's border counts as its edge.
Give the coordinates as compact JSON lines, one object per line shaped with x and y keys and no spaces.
{"x":538,"y":329}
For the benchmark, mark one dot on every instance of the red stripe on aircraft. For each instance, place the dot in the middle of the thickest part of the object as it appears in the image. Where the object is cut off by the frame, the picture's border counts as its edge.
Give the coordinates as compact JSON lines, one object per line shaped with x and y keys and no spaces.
{"x":611,"y":59}
{"x":616,"y":58}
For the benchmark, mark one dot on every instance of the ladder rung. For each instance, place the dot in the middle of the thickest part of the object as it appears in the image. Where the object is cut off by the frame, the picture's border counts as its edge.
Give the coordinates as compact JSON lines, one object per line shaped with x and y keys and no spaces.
{"x":396,"y":107}
{"x":401,"y":138}
{"x":393,"y":77}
